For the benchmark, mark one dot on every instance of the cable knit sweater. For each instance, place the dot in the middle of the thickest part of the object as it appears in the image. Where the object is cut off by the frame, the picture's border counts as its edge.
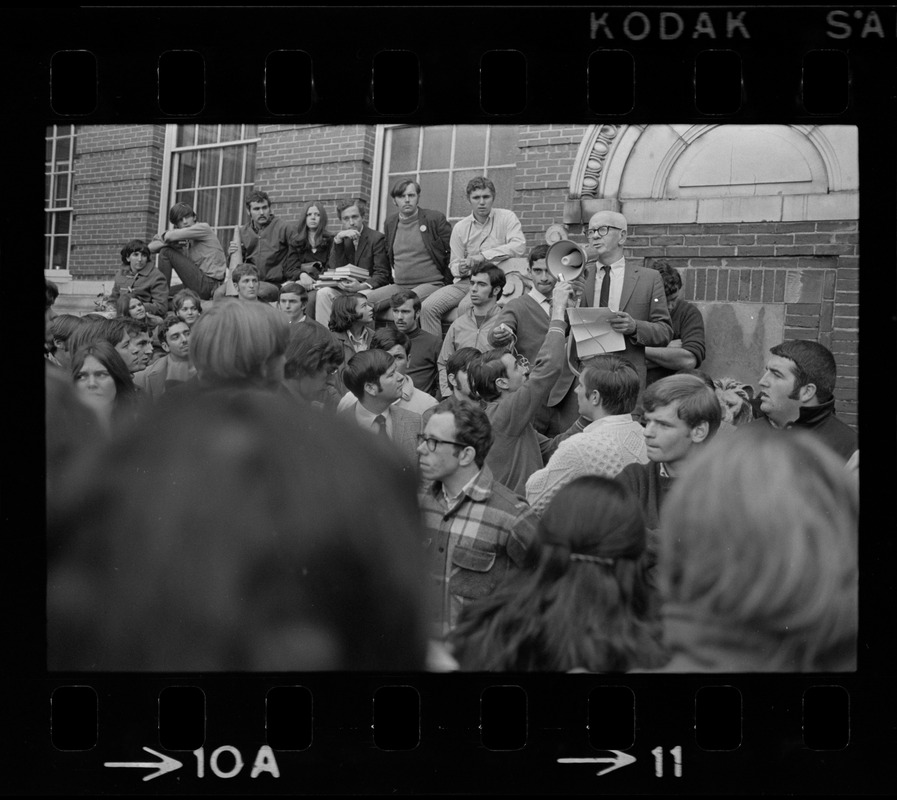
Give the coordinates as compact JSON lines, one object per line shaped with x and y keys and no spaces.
{"x":603,"y":448}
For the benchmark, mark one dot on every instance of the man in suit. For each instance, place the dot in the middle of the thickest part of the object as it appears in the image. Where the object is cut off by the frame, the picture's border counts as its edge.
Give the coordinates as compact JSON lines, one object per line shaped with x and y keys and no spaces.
{"x":417,"y":246}
{"x":635,"y":293}
{"x":373,"y":377}
{"x":358,"y":245}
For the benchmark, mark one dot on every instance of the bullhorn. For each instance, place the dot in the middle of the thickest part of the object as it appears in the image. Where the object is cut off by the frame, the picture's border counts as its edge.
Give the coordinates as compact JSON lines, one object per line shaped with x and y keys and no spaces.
{"x":566,"y":260}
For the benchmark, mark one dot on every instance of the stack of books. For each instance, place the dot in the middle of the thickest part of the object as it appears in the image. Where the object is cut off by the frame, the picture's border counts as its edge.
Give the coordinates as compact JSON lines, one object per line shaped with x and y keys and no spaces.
{"x":332,"y":276}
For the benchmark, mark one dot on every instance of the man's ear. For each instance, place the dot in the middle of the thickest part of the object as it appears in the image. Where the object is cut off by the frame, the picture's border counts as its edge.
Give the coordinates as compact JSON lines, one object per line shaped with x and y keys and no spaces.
{"x":501,"y":383}
{"x":467,"y":456}
{"x":165,"y":346}
{"x":806,"y":392}
{"x":371,"y":388}
{"x":700,"y":432}
{"x":622,"y":236}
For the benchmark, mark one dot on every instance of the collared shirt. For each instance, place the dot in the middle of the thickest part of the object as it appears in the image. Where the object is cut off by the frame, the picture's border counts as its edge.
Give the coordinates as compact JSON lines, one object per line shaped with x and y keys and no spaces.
{"x":412,"y":399}
{"x":499,"y":238}
{"x":367,"y":419}
{"x":465,"y":332}
{"x":543,"y":301}
{"x":471,"y":542}
{"x":360,"y":343}
{"x":617,"y":273}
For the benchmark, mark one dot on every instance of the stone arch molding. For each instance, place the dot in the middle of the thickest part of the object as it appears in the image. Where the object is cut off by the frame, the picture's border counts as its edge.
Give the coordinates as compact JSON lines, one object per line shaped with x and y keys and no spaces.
{"x":699,"y":172}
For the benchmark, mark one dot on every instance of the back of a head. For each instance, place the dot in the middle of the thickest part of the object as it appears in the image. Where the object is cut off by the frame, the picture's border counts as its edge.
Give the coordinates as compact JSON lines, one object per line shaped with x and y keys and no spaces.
{"x":233,"y":342}
{"x":236,"y":568}
{"x":760,"y":548}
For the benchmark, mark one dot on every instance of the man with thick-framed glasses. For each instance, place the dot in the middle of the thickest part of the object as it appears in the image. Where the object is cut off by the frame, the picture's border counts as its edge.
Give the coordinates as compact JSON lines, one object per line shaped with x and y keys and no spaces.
{"x":635,"y":293}
{"x":475,"y":529}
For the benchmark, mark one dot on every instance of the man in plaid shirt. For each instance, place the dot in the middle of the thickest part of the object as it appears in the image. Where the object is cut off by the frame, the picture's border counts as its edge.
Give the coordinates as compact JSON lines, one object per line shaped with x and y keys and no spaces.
{"x":475,"y":528}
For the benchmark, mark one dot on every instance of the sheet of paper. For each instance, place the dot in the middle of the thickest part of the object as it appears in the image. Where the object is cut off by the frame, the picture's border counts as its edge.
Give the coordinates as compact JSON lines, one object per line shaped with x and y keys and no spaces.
{"x":591,"y":330}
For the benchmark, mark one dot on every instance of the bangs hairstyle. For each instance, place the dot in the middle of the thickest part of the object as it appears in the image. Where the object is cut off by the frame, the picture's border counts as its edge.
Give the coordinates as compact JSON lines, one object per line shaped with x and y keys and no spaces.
{"x":135,"y":246}
{"x":583,"y":600}
{"x":616,"y":381}
{"x":236,"y":570}
{"x":403,"y":296}
{"x":365,"y":367}
{"x":112,"y":361}
{"x":399,"y":187}
{"x":813,"y":363}
{"x":343,"y":314}
{"x":242,"y":270}
{"x":695,"y":401}
{"x":497,"y":277}
{"x":179,"y":211}
{"x":302,"y":229}
{"x":257,"y":196}
{"x":294,"y":287}
{"x":360,"y":203}
{"x":182,"y":296}
{"x":760,"y":548}
{"x":480,"y":182}
{"x":234,"y":341}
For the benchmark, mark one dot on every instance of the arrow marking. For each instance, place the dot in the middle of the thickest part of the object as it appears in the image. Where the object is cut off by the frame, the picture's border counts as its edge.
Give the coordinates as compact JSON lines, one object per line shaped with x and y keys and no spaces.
{"x":620,"y":759}
{"x":167,"y":764}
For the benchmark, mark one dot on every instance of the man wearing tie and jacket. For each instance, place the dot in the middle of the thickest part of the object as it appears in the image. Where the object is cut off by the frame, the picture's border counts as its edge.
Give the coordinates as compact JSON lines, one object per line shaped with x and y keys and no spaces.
{"x":635,"y":293}
{"x":355,"y":244}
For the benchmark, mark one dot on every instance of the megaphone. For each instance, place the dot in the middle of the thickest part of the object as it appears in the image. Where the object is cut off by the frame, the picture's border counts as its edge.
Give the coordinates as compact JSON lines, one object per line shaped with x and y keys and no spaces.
{"x":566,"y":260}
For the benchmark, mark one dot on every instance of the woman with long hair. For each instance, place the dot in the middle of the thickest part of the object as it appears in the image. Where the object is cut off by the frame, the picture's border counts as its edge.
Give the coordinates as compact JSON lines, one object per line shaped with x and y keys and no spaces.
{"x":584,"y":600}
{"x":187,"y":305}
{"x":309,"y":246}
{"x":103,"y":383}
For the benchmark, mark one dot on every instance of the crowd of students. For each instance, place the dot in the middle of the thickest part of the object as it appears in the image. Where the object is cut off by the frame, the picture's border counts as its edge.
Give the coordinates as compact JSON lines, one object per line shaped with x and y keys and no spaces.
{"x":238,"y":480}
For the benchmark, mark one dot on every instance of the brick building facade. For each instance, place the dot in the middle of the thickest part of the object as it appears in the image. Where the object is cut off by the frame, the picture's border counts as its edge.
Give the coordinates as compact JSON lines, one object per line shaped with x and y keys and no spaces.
{"x":762,"y":221}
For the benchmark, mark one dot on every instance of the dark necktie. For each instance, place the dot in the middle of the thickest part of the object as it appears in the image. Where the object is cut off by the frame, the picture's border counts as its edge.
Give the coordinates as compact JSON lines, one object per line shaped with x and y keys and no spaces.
{"x":380,"y":422}
{"x":605,"y":288}
{"x":350,"y":250}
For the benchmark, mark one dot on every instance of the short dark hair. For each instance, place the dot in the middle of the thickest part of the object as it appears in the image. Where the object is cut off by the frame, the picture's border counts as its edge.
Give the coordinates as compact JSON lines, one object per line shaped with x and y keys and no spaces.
{"x":387,"y":338}
{"x":672,"y":280}
{"x":179,"y":211}
{"x":310,"y":350}
{"x":343,"y":314}
{"x":403,"y":296}
{"x":485,"y":371}
{"x":135,"y":246}
{"x":52,"y":292}
{"x":615,"y":379}
{"x":294,"y":287}
{"x":497,"y":277}
{"x":166,"y":324}
{"x":695,"y":401}
{"x":368,"y":366}
{"x":257,"y":196}
{"x":472,"y":426}
{"x":813,"y":363}
{"x":133,"y":327}
{"x":481,"y":182}
{"x":243,"y":269}
{"x":460,"y":360}
{"x":540,"y":251}
{"x":360,"y":202}
{"x":398,"y":188}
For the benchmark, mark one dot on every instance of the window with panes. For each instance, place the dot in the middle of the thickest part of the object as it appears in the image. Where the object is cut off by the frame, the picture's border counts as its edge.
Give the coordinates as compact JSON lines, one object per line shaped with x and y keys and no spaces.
{"x":58,"y":172}
{"x":212,"y":168}
{"x":443,"y":158}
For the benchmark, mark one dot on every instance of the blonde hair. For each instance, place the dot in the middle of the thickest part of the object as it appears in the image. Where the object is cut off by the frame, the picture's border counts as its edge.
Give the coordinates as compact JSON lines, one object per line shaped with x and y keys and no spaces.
{"x":760,"y":538}
{"x":234,"y":341}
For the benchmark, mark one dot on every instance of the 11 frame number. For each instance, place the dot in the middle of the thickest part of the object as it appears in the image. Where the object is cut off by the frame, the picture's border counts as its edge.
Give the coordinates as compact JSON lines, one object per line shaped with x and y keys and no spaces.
{"x":676,"y":753}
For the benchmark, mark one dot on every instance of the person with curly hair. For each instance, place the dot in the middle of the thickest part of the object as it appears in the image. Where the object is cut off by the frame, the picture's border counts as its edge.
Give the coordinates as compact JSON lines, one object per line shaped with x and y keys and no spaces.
{"x":583,"y":601}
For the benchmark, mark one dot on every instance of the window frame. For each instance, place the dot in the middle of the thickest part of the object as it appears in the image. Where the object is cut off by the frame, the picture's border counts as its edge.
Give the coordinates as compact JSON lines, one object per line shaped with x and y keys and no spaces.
{"x":52,"y":211}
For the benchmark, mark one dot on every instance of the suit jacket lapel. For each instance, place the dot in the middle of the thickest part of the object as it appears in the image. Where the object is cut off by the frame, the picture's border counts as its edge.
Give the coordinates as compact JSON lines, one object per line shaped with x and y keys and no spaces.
{"x":362,"y":244}
{"x":630,"y":279}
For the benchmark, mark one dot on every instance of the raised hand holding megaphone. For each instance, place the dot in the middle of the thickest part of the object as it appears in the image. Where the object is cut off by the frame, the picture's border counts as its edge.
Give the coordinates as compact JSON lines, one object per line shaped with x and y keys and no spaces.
{"x":566,"y":260}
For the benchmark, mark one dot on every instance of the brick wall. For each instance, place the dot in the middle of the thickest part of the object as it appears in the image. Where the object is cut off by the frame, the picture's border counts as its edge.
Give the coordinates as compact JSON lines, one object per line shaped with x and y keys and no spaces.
{"x":298,"y":163}
{"x":117,"y":192}
{"x":542,"y":181}
{"x":811,"y":268}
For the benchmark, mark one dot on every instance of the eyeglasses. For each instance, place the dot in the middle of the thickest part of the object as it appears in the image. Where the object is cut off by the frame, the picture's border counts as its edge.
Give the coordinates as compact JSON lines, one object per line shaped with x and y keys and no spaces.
{"x":602,"y":230}
{"x":432,"y":441}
